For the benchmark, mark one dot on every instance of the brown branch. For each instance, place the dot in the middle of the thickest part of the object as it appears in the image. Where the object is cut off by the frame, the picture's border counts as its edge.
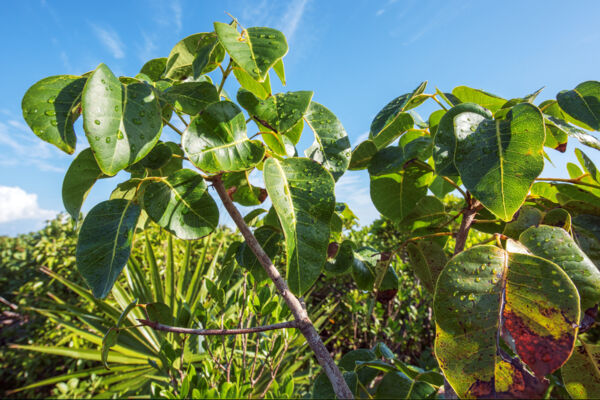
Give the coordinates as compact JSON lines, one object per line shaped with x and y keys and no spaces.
{"x":469,"y":214}
{"x":304,"y":324}
{"x":217,"y":332}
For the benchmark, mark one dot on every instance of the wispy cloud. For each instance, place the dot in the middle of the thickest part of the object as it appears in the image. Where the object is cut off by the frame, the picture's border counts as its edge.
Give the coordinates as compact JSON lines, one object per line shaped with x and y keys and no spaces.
{"x":17,"y":204}
{"x":19,"y":146}
{"x":379,"y":12}
{"x":110,"y":40}
{"x":292,"y":18}
{"x":177,"y":14}
{"x":148,"y":49}
{"x":285,"y":16}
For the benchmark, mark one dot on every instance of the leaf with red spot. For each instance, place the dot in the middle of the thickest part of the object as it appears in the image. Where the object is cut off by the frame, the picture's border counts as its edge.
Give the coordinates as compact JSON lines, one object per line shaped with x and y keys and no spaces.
{"x":485,"y":289}
{"x":581,"y":374}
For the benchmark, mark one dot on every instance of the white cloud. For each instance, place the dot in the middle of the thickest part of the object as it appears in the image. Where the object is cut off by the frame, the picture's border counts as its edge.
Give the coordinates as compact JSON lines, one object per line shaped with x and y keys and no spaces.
{"x":177,"y":14}
{"x":353,"y":189}
{"x":292,"y":17}
{"x":285,"y":16}
{"x":110,"y":39}
{"x":17,"y":204}
{"x":379,"y":12}
{"x":362,"y":137}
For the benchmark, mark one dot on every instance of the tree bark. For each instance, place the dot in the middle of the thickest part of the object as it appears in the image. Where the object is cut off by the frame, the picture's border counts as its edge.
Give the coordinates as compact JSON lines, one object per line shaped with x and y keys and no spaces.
{"x":304,"y":324}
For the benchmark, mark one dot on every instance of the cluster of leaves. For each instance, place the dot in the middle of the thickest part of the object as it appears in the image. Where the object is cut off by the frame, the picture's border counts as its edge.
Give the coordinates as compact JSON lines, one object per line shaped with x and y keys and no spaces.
{"x":500,"y":312}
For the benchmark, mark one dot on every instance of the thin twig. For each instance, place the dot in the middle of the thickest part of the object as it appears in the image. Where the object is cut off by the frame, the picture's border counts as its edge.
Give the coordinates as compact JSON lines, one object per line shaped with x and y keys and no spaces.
{"x":573,"y":181}
{"x":172,"y":126}
{"x":437,"y":101}
{"x":225,"y":75}
{"x":450,"y":181}
{"x":217,"y":332}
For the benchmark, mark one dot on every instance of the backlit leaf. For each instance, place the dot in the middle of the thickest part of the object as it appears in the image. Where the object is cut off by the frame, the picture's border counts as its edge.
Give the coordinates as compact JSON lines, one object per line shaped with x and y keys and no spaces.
{"x":109,"y":340}
{"x":487,"y":100}
{"x":581,"y":374}
{"x":362,"y":155}
{"x":182,"y":56}
{"x":155,"y":68}
{"x":498,"y":160}
{"x":427,"y":259}
{"x":302,"y":193}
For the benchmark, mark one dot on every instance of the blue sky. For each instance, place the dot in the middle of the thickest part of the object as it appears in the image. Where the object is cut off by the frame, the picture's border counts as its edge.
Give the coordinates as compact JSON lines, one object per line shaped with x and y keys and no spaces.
{"x":356,"y":56}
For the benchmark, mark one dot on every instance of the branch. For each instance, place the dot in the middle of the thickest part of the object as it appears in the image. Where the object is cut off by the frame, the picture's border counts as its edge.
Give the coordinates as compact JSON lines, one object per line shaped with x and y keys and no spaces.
{"x":217,"y":332}
{"x":304,"y":324}
{"x":469,"y":214}
{"x":573,"y":181}
{"x":172,"y":126}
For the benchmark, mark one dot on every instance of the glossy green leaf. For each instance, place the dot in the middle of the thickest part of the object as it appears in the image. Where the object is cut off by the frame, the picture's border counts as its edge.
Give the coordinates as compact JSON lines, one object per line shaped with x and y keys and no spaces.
{"x":364,"y":266}
{"x":155,"y":68}
{"x":191,"y":97}
{"x":533,"y":297}
{"x":255,"y":50}
{"x":498,"y":161}
{"x":487,"y":100}
{"x":122,"y":122}
{"x":581,"y":374}
{"x":527,"y":216}
{"x":216,"y":140}
{"x":280,"y":71}
{"x":396,"y":385}
{"x":588,"y":165}
{"x":262,"y":90}
{"x":555,"y":244}
{"x":269,"y":239}
{"x":181,"y":204}
{"x":362,"y":155}
{"x":331,"y":147}
{"x":201,"y":46}
{"x":392,"y":121}
{"x":582,"y":104}
{"x":456,"y":119}
{"x":395,"y":195}
{"x":302,"y":193}
{"x":343,"y":260}
{"x":109,"y":340}
{"x":104,"y":243}
{"x":558,"y":217}
{"x":279,"y":112}
{"x":158,"y":157}
{"x":50,"y":109}
{"x":427,"y":259}
{"x":79,"y":179}
{"x":392,"y":159}
{"x":559,"y":125}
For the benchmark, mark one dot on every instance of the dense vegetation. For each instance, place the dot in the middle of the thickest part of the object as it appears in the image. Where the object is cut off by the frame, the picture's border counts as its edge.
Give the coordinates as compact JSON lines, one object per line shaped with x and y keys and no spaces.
{"x":506,"y":285}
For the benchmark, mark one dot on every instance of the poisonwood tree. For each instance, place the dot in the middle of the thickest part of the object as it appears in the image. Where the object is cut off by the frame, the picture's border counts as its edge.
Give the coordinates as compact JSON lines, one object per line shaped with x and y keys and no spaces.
{"x":508,"y":314}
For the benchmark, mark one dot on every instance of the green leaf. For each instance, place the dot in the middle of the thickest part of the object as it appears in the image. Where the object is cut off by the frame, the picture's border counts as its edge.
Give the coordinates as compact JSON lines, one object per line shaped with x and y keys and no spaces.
{"x":581,"y":374}
{"x":191,"y":97}
{"x":396,"y":385}
{"x":155,"y":68}
{"x":349,"y":363}
{"x":527,"y":216}
{"x":181,"y":204}
{"x":104,"y":243}
{"x":302,"y":193}
{"x":159,"y":312}
{"x":588,"y":165}
{"x":392,"y":159}
{"x":362,"y":155}
{"x":322,"y":388}
{"x":537,"y":303}
{"x":558,"y":125}
{"x":158,"y":157}
{"x":122,"y":122}
{"x":440,"y":187}
{"x":392,"y":121}
{"x":487,"y":100}
{"x":199,"y":48}
{"x":241,"y":190}
{"x":343,"y":260}
{"x":444,"y":141}
{"x":427,"y":259}
{"x":395,"y":195}
{"x":555,"y":244}
{"x":109,"y":340}
{"x":363,"y":267}
{"x":279,"y":70}
{"x":331,"y":147}
{"x":269,"y":240}
{"x":582,"y":104}
{"x":498,"y":161}
{"x":126,"y":311}
{"x":429,"y":211}
{"x":216,"y":140}
{"x":262,"y":90}
{"x":255,"y":50}
{"x":587,"y":233}
{"x":279,"y":112}
{"x":50,"y":109}
{"x":79,"y":179}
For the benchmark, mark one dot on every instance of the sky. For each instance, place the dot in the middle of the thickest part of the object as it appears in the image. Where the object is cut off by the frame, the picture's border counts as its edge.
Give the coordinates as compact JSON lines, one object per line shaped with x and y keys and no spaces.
{"x":356,"y":56}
